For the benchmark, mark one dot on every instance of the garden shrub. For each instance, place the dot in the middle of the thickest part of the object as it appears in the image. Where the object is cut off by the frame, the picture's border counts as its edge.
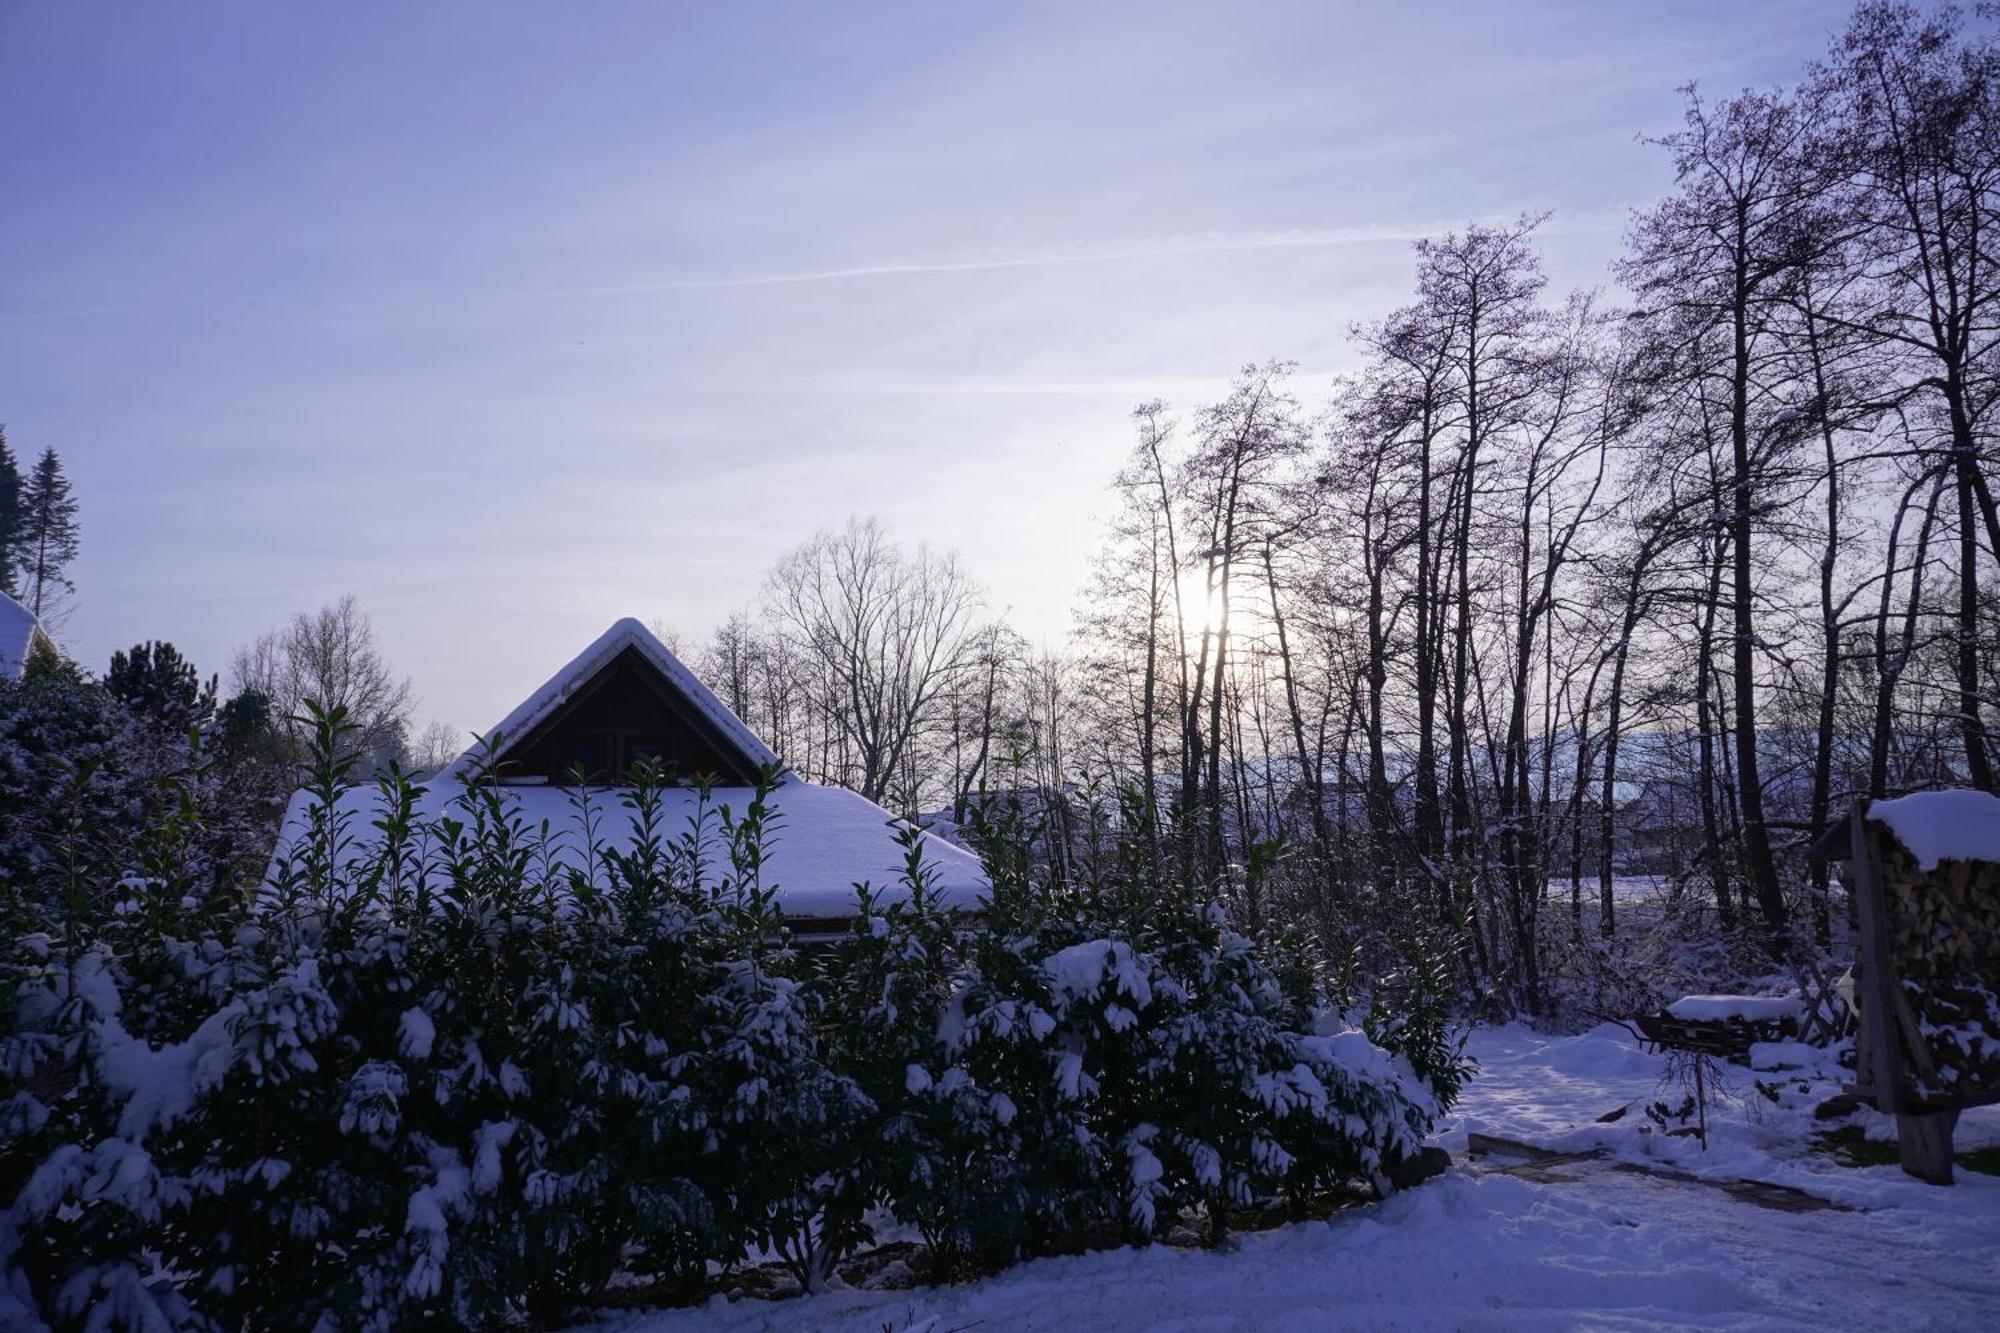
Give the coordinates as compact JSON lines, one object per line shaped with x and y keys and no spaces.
{"x":433,"y":1075}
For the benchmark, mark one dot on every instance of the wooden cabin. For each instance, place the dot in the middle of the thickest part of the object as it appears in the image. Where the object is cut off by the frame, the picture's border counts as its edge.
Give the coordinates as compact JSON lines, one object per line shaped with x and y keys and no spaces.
{"x":570,"y":746}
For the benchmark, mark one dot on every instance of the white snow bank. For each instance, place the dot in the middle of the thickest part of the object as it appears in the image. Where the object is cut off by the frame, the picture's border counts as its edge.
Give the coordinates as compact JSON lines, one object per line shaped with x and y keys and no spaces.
{"x":1459,"y":1253}
{"x":1552,"y":1091}
{"x":1785,"y":1055}
{"x":1605,"y":1249}
{"x":1752,"y":1008}
{"x":1955,"y":825}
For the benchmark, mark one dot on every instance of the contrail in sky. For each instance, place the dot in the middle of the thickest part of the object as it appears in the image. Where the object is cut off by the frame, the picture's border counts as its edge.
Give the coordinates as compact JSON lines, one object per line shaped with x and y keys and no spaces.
{"x":1193,"y":243}
{"x":1188,"y":243}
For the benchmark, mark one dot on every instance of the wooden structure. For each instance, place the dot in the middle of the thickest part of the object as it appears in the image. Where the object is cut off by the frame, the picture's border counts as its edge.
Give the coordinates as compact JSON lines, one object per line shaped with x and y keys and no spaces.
{"x":1725,"y":1038}
{"x":1927,"y":973}
{"x":627,"y":712}
{"x":1719,"y":1038}
{"x":21,"y":637}
{"x":627,"y":699}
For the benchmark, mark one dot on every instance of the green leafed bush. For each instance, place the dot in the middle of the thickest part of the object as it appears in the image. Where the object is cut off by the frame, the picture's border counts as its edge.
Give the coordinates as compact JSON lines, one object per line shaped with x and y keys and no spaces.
{"x":435,"y":1076}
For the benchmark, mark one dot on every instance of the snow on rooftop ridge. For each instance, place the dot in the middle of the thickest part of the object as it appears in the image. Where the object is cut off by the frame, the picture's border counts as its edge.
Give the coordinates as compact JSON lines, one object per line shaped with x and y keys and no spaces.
{"x":623,"y":634}
{"x":18,"y":631}
{"x":1956,"y":824}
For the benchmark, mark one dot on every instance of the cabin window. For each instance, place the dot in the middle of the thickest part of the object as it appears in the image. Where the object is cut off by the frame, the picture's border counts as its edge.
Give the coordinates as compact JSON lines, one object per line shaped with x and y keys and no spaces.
{"x":587,"y":753}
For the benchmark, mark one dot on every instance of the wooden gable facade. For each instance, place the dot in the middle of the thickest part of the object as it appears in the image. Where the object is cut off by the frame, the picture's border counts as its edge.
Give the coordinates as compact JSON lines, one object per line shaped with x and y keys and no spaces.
{"x":626,"y":713}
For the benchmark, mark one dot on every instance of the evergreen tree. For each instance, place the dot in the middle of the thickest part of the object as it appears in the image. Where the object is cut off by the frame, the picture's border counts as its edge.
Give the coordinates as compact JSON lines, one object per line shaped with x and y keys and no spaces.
{"x":48,"y":535}
{"x":161,"y":687}
{"x":10,"y":516}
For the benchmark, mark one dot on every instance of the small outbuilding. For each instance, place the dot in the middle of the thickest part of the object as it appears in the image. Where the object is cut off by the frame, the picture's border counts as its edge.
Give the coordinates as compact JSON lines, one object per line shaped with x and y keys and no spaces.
{"x":627,"y":699}
{"x":21,"y":636}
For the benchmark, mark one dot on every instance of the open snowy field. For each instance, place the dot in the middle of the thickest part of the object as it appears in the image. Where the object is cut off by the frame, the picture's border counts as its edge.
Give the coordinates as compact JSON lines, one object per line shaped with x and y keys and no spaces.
{"x":1640,"y":1236}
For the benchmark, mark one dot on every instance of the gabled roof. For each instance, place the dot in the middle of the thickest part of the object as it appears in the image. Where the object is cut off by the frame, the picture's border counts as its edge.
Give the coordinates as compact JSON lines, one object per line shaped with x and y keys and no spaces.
{"x":628,"y":634}
{"x":19,"y":632}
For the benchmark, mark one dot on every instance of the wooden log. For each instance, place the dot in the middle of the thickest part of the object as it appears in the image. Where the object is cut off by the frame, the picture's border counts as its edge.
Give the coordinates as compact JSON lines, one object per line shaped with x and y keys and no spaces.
{"x":1923,"y":1144}
{"x":1914,"y":1044}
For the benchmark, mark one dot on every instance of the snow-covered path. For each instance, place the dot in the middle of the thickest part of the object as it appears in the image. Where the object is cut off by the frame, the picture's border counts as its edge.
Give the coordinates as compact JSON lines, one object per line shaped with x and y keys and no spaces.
{"x":1595,"y":1247}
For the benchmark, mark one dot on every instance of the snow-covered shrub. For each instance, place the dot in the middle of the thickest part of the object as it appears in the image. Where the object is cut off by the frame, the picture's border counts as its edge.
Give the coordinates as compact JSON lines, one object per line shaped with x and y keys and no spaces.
{"x":790,"y":1177}
{"x":1206,"y":1083}
{"x":1412,"y":1008}
{"x":83,"y":1197}
{"x":423,"y":1075}
{"x":95,"y":793}
{"x":433,"y":1074}
{"x":1102,"y":1057}
{"x":943,"y":1152}
{"x":117,"y":875}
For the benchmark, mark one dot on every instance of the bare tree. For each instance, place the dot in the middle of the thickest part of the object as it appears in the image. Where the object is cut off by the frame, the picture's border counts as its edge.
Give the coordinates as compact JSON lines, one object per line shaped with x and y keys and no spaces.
{"x":1229,"y":486}
{"x":1717,"y":253}
{"x":330,"y":657}
{"x":436,"y":746}
{"x":884,"y":635}
{"x":1919,"y":98}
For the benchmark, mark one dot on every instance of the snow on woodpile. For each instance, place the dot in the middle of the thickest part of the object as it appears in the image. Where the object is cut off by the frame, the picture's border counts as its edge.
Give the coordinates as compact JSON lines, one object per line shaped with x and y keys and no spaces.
{"x":1939,"y":826}
{"x":1941,"y":887}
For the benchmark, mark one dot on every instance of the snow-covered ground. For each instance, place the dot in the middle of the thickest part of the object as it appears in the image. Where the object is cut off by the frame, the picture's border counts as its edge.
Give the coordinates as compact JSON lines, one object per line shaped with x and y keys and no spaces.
{"x":1592,"y":1243}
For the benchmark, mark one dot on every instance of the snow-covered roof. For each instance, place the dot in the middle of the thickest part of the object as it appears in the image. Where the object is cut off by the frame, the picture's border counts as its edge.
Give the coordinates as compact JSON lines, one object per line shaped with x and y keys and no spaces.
{"x":821,"y":842}
{"x":18,"y":632}
{"x":1952,"y":825}
{"x":557,"y":690}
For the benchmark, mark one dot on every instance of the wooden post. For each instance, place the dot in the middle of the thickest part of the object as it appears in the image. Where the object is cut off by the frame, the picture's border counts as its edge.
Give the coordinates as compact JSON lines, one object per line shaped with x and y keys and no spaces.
{"x":1701,"y":1098}
{"x":1923,"y":1143}
{"x":1884,"y":1055}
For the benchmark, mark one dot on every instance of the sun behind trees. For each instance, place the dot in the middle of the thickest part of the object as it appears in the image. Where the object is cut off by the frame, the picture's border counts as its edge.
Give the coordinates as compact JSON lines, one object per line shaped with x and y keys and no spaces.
{"x":1551,"y":597}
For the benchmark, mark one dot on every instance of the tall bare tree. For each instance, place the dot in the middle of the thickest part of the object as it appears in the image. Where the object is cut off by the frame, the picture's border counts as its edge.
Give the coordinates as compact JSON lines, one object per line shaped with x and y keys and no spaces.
{"x":884,"y":635}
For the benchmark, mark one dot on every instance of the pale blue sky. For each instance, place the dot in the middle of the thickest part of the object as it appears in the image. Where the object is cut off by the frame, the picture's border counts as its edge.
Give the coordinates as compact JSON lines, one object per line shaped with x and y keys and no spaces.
{"x":515,"y":319}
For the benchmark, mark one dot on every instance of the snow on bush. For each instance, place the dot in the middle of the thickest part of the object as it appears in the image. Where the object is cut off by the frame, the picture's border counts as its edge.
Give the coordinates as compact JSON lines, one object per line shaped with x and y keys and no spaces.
{"x":449,"y":1083}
